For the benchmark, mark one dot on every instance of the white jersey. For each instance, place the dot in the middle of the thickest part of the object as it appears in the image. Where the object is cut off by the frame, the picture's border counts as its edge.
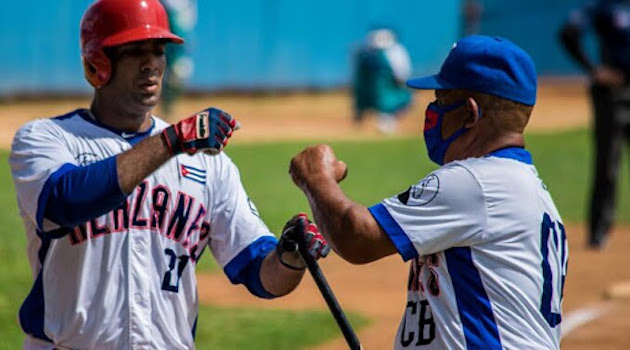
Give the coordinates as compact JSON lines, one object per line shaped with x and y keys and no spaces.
{"x":488,"y":255}
{"x":125,"y":279}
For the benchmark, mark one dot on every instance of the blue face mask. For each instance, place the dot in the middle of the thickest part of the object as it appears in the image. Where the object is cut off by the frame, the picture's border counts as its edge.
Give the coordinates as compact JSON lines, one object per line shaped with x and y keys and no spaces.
{"x":434,"y":116}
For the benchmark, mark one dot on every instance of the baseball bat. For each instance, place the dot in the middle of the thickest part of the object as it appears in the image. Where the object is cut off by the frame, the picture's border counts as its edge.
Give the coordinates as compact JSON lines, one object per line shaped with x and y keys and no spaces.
{"x":329,"y":296}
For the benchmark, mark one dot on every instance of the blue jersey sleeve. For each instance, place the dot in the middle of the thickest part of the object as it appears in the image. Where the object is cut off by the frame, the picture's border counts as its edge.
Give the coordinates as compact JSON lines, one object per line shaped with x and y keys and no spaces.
{"x":74,"y":195}
{"x":394,"y":231}
{"x":245,"y":267}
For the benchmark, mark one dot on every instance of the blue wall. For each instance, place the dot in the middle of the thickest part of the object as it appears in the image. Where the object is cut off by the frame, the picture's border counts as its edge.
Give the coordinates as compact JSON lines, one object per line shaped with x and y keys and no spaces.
{"x":534,"y":25}
{"x":253,"y":44}
{"x":237,"y":44}
{"x":40,"y":47}
{"x":284,"y":43}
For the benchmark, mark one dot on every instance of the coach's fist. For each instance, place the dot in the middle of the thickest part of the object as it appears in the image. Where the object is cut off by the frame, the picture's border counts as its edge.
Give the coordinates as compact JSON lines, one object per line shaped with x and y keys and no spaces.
{"x":316,"y":164}
{"x":208,"y":130}
{"x":300,"y":230}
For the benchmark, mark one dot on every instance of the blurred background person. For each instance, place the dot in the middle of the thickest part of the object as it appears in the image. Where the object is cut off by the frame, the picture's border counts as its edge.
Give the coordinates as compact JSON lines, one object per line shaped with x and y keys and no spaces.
{"x":610,"y":99}
{"x":182,"y":16}
{"x":381,"y":67}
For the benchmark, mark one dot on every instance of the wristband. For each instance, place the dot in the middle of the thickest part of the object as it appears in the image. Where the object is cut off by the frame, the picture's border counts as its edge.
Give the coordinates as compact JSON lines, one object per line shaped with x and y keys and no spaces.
{"x":170,"y":136}
{"x":279,"y":253}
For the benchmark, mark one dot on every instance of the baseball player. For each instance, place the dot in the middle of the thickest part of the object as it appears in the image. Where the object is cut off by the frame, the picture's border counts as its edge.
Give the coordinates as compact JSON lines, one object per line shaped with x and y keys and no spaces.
{"x":610,"y":100}
{"x":487,"y":246}
{"x":118,"y":206}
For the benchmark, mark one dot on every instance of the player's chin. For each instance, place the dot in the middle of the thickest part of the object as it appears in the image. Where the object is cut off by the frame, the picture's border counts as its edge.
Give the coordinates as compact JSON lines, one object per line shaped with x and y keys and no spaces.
{"x":149,"y":100}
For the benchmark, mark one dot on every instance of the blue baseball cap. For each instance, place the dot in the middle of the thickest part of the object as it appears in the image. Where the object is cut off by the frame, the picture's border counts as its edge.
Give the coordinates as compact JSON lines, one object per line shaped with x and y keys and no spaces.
{"x":490,"y":65}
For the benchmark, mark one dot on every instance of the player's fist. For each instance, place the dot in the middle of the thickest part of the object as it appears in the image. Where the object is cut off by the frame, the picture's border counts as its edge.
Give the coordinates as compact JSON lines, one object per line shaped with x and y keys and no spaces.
{"x":208,"y":130}
{"x":300,"y":229}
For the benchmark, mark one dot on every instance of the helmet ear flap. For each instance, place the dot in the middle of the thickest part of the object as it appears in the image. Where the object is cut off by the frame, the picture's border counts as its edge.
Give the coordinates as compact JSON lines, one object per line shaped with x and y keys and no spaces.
{"x":97,"y":68}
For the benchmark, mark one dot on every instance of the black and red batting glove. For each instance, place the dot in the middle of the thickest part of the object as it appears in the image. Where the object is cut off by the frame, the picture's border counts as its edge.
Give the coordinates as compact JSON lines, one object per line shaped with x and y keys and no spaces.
{"x":208,"y":130}
{"x":297,"y":229}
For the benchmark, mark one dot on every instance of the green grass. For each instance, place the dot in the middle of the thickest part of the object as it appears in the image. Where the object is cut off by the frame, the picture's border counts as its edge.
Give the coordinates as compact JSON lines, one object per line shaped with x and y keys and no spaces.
{"x":564,"y":163}
{"x":380,"y":169}
{"x":377,"y":169}
{"x":229,"y":329}
{"x":14,"y":271}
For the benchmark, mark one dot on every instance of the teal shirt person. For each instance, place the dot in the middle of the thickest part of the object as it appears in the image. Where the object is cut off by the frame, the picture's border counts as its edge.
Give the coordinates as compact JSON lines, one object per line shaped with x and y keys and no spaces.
{"x":381,"y":67}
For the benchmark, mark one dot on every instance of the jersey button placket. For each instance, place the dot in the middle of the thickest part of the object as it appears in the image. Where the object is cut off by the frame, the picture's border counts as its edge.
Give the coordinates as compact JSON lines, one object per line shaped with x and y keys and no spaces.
{"x":144,"y":284}
{"x":133,"y":318}
{"x":133,"y":326}
{"x":139,"y":288}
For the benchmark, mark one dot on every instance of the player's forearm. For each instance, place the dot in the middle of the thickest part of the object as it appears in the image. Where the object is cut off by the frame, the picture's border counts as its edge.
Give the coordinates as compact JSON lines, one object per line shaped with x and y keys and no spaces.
{"x":276,"y":278}
{"x":136,"y":164}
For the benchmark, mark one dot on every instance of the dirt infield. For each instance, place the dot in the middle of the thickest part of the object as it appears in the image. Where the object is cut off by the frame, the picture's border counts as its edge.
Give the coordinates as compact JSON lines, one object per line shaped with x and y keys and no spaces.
{"x":378,"y":290}
{"x":319,"y":116}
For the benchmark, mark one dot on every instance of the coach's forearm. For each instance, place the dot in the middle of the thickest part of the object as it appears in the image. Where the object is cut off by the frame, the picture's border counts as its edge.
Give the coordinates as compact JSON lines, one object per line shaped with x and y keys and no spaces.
{"x":142,"y":160}
{"x":349,"y":228}
{"x":333,"y":213}
{"x":276,"y":278}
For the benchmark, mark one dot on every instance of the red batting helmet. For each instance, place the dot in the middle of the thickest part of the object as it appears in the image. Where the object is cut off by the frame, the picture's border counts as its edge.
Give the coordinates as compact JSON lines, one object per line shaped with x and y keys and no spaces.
{"x":108,"y":23}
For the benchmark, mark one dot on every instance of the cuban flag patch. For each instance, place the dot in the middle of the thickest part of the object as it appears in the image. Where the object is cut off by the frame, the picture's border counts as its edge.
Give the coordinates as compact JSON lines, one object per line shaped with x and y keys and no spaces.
{"x":194,"y":174}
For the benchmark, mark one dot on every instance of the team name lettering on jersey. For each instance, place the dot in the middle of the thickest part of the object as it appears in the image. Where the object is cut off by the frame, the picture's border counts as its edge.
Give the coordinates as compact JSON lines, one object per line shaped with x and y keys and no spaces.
{"x":418,"y":265}
{"x":177,"y":217}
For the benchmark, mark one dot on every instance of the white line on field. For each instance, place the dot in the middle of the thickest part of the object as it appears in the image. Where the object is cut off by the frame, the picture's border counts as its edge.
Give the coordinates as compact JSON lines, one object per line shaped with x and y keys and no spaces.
{"x":577,"y":318}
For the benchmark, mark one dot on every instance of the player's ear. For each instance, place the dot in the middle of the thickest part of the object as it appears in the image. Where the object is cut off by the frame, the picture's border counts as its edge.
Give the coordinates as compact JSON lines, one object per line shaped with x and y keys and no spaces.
{"x":474,"y":112}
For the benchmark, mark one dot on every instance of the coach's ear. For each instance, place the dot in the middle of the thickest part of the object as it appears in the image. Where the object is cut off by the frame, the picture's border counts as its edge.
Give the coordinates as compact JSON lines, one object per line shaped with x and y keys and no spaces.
{"x":474,"y":112}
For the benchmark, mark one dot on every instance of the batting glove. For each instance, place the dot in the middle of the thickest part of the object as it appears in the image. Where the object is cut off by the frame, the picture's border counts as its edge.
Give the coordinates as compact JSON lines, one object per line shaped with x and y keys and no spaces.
{"x":297,"y":229}
{"x":208,"y":130}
